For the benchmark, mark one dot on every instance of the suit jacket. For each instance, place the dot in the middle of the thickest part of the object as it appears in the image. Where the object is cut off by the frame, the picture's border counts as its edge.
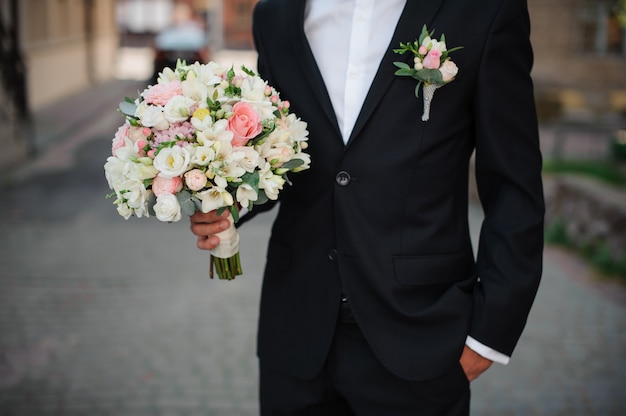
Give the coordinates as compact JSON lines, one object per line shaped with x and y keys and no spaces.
{"x":383,"y":218}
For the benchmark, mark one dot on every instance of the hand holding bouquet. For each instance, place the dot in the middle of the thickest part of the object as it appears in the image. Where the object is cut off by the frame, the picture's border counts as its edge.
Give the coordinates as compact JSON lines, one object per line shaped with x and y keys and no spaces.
{"x":205,"y":138}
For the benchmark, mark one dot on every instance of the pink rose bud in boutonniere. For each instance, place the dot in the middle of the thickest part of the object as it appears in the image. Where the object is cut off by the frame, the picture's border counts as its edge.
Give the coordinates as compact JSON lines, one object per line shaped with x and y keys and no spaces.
{"x":431,"y":61}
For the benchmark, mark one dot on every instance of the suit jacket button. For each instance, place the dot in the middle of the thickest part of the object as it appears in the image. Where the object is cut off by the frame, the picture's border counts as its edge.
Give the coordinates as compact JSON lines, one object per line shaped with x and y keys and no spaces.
{"x":332,"y":254}
{"x":343,"y":178}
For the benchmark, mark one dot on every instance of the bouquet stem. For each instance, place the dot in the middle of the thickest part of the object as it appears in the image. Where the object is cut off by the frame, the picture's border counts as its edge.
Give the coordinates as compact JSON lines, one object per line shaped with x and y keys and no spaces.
{"x":227,"y":269}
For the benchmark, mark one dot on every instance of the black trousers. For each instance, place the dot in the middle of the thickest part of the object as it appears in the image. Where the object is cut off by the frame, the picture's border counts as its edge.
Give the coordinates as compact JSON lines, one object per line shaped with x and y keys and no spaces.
{"x":354,"y":383}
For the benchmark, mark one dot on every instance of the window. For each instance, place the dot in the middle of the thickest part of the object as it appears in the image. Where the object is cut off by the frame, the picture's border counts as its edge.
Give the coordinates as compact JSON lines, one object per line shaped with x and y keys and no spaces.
{"x":604,"y":27}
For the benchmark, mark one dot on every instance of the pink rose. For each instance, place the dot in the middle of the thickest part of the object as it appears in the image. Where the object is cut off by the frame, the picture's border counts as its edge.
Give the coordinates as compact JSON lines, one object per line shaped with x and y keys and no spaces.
{"x":160,"y":94}
{"x":120,"y":135}
{"x":161,"y":185}
{"x":245,"y":124}
{"x":431,"y":61}
{"x":195,"y":179}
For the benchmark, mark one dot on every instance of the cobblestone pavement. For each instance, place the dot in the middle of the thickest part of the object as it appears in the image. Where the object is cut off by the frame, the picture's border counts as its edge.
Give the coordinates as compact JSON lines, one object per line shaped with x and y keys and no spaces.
{"x":102,"y":316}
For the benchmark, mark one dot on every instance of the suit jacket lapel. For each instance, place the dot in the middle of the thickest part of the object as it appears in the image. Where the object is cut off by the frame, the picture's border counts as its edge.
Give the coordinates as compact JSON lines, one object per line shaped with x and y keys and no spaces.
{"x":304,"y":55}
{"x":416,"y":13}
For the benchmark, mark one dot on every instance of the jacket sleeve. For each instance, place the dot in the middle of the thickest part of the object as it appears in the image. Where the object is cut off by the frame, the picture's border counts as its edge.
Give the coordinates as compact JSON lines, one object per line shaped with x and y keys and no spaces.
{"x":508,"y":175}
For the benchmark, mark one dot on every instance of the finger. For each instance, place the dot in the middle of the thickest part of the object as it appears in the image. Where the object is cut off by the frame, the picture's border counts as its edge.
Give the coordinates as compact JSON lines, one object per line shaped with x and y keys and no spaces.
{"x":208,"y":229}
{"x":207,"y":242}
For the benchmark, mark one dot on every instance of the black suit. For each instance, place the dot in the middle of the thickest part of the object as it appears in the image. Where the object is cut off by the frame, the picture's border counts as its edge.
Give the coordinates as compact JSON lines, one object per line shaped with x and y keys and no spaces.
{"x":383,"y":218}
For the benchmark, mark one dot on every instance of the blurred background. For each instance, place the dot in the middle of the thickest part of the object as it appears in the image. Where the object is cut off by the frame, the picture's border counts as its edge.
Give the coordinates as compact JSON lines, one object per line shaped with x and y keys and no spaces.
{"x":101,"y":316}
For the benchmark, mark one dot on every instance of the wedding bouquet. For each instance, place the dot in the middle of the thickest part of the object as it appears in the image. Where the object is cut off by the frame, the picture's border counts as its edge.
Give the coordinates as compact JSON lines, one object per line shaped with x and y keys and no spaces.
{"x":432,"y":66}
{"x":205,"y":137}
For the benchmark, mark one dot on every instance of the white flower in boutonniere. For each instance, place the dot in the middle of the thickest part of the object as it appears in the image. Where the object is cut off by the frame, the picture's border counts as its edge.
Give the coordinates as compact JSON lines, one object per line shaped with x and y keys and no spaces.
{"x":432,"y":66}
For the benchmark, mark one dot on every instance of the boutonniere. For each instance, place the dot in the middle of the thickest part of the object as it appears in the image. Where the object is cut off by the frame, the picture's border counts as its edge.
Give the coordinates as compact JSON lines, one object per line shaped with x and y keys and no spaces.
{"x":432,"y":67}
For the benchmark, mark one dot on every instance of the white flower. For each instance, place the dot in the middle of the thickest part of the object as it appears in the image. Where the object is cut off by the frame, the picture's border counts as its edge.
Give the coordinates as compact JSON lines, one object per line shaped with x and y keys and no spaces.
{"x":216,"y":132}
{"x":124,"y":210}
{"x":297,"y":128}
{"x":245,"y":194}
{"x":203,"y":155}
{"x":250,"y":159}
{"x":114,"y":171}
{"x":135,"y":195}
{"x":195,"y":89}
{"x":172,"y":162}
{"x":214,"y":198}
{"x":270,"y":183}
{"x":253,"y":89}
{"x":152,"y":116}
{"x":178,"y":109}
{"x":167,"y":208}
{"x":448,"y":70}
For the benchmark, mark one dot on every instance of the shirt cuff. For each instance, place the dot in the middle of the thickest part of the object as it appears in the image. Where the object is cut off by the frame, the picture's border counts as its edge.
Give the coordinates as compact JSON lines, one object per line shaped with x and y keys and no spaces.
{"x":486,"y":352}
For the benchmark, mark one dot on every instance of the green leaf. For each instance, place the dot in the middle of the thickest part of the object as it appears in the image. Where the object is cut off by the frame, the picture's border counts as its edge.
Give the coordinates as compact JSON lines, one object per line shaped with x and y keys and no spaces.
{"x":429,"y":76}
{"x":248,"y":71}
{"x":187,"y":206}
{"x":405,"y":72}
{"x":262,"y":199}
{"x":417,"y":89}
{"x":292,"y":164}
{"x":128,"y":108}
{"x":402,"y":65}
{"x":251,"y":179}
{"x":234,"y":212}
{"x":151,"y":202}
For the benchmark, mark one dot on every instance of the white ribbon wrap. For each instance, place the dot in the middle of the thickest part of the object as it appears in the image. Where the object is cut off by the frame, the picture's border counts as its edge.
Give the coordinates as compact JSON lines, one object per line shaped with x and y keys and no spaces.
{"x":229,"y":242}
{"x":429,"y":92}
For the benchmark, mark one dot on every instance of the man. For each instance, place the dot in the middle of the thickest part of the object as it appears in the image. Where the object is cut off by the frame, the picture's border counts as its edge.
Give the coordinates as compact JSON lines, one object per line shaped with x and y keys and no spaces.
{"x":372,"y":302}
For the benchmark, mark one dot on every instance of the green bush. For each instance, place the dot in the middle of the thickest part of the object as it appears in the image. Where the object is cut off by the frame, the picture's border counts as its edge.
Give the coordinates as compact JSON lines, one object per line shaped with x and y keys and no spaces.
{"x":605,"y":171}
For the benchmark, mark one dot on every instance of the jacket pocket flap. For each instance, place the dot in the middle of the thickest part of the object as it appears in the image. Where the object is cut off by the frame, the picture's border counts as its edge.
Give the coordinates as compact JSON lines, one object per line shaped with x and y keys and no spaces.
{"x":432,"y":269}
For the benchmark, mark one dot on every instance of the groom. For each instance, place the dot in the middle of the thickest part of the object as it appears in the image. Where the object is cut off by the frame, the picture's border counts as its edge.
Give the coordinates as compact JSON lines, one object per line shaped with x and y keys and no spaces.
{"x":372,"y":300}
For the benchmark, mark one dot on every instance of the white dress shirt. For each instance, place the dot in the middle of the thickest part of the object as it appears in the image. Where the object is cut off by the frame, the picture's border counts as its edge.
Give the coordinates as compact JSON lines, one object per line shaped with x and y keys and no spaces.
{"x":349,"y":39}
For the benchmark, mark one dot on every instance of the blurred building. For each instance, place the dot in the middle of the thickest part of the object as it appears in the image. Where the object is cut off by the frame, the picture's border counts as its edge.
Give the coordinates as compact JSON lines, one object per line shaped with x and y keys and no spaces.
{"x":580,"y":59}
{"x":49,"y":49}
{"x":53,"y":48}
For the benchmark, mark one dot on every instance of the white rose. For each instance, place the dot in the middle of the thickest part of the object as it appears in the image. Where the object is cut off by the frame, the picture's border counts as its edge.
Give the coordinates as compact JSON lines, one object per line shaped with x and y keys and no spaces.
{"x":448,"y":70}
{"x":167,"y":208}
{"x":172,"y":162}
{"x":152,"y":116}
{"x":114,"y":171}
{"x":178,"y":109}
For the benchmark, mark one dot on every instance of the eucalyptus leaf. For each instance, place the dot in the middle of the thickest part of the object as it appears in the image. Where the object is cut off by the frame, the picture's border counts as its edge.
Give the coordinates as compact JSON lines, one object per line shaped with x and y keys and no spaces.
{"x":262,"y":199}
{"x":292,"y":164}
{"x":188,"y":207}
{"x":127,"y":108}
{"x":151,"y":202}
{"x":186,"y":204}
